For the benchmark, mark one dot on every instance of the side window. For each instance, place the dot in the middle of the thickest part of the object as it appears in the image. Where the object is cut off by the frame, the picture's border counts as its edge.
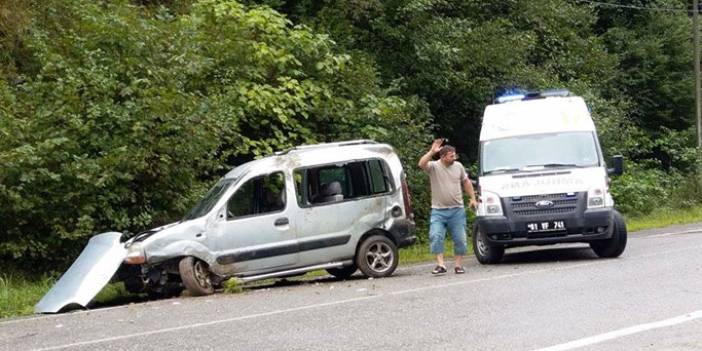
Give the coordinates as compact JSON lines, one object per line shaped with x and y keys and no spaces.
{"x":378,"y":175}
{"x":335,"y":174}
{"x":333,"y":183}
{"x":260,"y":195}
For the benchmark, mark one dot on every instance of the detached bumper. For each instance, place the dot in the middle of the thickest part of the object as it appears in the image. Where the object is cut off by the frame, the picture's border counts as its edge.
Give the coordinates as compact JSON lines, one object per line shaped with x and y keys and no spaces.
{"x":589,"y":225}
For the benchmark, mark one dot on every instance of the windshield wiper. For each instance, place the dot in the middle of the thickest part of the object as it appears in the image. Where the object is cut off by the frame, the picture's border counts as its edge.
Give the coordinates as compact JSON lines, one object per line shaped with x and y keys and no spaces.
{"x":502,"y":170}
{"x":554,"y":165}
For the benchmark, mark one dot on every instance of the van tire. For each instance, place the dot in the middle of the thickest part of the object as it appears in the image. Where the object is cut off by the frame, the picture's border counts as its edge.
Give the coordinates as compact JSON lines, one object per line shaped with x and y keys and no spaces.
{"x":377,"y":256}
{"x":195,"y":275}
{"x":485,"y":253}
{"x":614,"y":246}
{"x":343,"y":272}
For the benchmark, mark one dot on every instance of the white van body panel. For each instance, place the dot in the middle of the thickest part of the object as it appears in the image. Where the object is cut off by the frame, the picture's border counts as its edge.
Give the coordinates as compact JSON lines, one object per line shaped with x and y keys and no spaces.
{"x":545,"y":182}
{"x":561,"y":114}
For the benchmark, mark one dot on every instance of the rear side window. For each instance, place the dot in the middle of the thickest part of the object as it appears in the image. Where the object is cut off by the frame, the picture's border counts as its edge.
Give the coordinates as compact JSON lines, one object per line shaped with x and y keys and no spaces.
{"x":260,"y":195}
{"x":338,"y":182}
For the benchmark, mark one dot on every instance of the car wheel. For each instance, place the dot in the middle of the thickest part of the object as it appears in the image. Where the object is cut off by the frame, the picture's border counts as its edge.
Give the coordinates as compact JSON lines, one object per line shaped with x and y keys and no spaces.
{"x":343,"y":272}
{"x":485,"y":253}
{"x":614,"y":246}
{"x":195,"y":276}
{"x":377,"y":256}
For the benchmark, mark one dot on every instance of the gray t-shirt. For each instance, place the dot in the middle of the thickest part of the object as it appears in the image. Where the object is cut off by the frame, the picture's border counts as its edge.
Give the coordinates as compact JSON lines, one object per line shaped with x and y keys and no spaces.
{"x":446,"y":183}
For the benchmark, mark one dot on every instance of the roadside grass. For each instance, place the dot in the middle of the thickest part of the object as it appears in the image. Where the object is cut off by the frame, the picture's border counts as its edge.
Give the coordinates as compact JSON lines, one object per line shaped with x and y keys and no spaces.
{"x":19,"y":294}
{"x":664,"y":217}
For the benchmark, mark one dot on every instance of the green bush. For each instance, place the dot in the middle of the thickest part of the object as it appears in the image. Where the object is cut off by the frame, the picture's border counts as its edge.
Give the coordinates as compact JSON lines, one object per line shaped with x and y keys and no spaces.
{"x":640,"y":190}
{"x":118,"y":117}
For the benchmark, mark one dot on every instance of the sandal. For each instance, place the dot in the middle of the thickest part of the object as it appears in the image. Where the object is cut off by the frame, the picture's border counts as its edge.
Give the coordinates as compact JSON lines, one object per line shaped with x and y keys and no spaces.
{"x":459,"y":270}
{"x":439,"y":270}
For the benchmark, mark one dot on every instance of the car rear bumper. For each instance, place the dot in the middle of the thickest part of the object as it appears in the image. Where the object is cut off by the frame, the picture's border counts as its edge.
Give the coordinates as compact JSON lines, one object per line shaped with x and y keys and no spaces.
{"x":402,"y":232}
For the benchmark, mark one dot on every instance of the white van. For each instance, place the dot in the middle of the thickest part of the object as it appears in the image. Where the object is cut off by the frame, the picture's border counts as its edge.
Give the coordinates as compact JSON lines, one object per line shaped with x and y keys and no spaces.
{"x":543,"y":179}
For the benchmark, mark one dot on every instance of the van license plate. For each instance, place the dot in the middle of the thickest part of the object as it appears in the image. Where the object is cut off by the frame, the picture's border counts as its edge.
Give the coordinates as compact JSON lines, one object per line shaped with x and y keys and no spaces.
{"x":545,"y":226}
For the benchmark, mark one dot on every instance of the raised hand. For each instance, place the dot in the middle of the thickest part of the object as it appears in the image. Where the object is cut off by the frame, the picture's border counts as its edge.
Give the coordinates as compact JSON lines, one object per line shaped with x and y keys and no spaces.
{"x":436,"y":146}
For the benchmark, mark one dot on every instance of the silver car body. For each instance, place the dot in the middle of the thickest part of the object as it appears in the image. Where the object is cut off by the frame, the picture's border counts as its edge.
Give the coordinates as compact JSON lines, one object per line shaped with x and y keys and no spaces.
{"x":296,"y":239}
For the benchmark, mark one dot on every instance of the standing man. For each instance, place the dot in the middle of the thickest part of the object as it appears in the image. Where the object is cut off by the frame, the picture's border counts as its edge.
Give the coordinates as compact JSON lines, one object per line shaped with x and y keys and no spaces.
{"x":447,"y":176}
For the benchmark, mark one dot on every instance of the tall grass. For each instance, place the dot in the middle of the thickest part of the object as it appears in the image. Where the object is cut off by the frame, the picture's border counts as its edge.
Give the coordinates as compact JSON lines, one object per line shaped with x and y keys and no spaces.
{"x":18,"y":295}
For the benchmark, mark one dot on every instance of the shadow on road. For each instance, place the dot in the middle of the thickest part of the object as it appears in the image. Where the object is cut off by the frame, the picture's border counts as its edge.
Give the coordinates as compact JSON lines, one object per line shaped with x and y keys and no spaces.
{"x":541,"y":255}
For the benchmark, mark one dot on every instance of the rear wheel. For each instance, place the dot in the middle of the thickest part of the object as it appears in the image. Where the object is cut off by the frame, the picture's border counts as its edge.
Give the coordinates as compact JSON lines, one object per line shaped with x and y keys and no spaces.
{"x":485,"y":253}
{"x":614,"y":246}
{"x":343,"y":272}
{"x":377,"y":256}
{"x":195,"y":276}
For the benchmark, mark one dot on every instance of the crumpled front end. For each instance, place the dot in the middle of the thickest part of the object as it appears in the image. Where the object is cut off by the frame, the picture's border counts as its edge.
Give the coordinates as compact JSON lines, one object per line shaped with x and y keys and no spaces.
{"x":87,"y":275}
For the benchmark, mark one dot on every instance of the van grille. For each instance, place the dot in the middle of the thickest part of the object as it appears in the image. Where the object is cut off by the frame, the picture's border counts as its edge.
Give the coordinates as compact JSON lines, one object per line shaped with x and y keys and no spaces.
{"x":526,"y":205}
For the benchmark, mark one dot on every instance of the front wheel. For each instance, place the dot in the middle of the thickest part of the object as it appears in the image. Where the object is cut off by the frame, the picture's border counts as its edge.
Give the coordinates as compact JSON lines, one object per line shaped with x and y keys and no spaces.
{"x":485,"y":253}
{"x":195,"y":276}
{"x":377,"y":256}
{"x":614,"y":246}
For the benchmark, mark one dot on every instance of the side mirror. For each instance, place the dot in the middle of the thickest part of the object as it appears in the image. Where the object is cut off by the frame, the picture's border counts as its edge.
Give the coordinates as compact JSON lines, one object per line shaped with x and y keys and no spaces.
{"x":473,"y":180}
{"x":618,"y":163}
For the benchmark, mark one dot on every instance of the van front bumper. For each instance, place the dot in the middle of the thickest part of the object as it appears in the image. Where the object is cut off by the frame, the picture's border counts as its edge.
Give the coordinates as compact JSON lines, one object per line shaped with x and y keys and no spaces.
{"x":585,"y":226}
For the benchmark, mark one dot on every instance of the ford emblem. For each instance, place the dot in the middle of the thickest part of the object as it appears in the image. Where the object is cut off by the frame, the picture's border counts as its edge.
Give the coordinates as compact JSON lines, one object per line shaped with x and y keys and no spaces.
{"x":544,"y":204}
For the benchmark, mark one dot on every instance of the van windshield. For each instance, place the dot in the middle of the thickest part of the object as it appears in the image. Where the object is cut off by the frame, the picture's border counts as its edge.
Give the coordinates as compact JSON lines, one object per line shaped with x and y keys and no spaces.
{"x":527,"y":152}
{"x":207,"y":203}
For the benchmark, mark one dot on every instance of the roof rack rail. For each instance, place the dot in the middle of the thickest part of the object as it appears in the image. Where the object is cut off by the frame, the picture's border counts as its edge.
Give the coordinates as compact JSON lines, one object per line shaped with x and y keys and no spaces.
{"x":323,"y":145}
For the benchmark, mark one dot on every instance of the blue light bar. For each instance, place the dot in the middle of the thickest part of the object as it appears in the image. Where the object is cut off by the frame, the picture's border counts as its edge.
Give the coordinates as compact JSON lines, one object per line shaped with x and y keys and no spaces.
{"x":555,"y":92}
{"x":507,"y":98}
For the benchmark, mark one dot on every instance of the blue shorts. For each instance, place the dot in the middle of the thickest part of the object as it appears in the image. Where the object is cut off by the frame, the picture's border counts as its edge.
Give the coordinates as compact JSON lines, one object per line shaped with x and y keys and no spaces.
{"x":453,"y":219}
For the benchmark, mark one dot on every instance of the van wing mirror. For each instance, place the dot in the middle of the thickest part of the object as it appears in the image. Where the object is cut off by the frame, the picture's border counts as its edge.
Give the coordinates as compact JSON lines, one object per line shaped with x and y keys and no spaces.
{"x":473,"y":180}
{"x":618,"y":163}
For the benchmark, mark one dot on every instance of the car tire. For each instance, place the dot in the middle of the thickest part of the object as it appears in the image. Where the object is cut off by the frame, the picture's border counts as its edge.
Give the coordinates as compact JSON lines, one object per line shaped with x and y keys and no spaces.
{"x":484,"y":252}
{"x":343,"y":272}
{"x":614,"y":246}
{"x":377,"y":256}
{"x":195,"y":276}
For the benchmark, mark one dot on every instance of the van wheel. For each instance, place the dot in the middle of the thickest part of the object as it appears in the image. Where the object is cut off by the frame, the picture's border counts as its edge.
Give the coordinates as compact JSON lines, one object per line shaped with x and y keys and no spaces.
{"x":614,"y":246}
{"x":485,"y":253}
{"x":343,"y":272}
{"x":377,"y":256}
{"x":195,"y":276}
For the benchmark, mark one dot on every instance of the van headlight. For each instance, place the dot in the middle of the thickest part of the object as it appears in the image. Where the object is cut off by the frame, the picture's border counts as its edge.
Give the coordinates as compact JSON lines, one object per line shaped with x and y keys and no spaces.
{"x":491,"y":204}
{"x":135,"y":254}
{"x":595,"y":198}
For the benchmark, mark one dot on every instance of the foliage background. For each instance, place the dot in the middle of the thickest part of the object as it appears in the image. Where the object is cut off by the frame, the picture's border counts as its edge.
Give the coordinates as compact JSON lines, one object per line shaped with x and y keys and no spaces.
{"x":119,"y":114}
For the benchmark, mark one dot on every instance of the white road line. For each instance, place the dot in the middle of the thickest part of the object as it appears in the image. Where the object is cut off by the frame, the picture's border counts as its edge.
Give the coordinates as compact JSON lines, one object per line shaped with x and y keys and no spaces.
{"x":352,"y":300}
{"x":672,"y":233}
{"x":624,"y":332}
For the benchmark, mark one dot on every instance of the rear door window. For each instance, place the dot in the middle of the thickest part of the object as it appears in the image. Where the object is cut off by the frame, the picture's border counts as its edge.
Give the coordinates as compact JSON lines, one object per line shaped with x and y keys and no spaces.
{"x":338,"y":182}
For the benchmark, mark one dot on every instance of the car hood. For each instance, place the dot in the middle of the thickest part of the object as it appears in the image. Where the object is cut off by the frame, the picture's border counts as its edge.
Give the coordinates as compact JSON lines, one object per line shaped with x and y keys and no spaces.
{"x":87,"y":275}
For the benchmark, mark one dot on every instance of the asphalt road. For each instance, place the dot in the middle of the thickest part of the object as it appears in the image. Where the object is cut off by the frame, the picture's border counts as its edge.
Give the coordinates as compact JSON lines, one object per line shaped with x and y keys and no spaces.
{"x":549,"y":298}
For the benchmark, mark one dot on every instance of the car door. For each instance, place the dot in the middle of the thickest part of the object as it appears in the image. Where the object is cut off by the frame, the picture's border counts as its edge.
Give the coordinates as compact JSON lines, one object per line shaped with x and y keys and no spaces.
{"x":333,"y":219}
{"x":257,"y":234}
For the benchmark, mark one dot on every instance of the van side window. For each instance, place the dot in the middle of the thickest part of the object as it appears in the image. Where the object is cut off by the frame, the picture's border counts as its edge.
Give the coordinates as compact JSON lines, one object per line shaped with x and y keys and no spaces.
{"x":333,"y":183}
{"x":260,"y":195}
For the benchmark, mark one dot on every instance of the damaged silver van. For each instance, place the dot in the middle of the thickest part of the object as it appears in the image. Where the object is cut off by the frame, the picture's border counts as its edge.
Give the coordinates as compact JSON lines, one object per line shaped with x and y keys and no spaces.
{"x":338,"y":206}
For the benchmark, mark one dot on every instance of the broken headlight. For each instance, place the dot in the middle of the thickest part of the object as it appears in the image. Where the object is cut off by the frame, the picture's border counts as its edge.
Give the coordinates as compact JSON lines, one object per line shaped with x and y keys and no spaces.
{"x":135,"y":254}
